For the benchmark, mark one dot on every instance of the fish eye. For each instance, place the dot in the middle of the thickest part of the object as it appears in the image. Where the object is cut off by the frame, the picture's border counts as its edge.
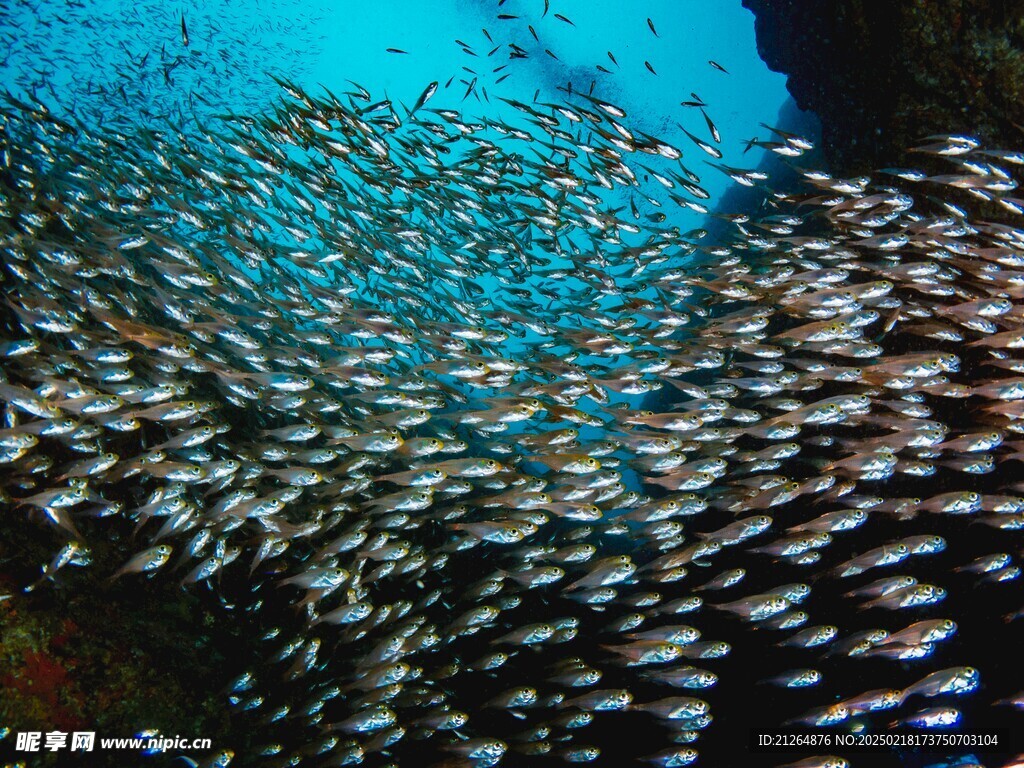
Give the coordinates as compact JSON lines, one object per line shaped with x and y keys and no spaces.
{"x":191,"y":404}
{"x":948,"y":624}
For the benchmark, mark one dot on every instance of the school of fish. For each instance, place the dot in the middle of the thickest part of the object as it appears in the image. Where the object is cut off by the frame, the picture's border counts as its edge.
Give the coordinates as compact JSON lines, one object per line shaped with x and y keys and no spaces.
{"x":499,"y":464}
{"x":132,"y":63}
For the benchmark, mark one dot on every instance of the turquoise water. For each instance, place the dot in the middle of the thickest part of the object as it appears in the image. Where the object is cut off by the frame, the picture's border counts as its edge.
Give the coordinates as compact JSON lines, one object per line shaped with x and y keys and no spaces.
{"x":127,"y":64}
{"x":690,"y":32}
{"x":109,"y":60}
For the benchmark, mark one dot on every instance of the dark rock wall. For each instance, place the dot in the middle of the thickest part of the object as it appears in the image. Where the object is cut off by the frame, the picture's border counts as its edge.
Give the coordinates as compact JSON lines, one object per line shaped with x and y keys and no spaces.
{"x":881,"y":74}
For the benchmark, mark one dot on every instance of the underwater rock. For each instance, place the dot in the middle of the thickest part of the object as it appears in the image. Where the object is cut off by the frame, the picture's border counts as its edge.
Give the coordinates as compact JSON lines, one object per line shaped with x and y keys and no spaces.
{"x":108,"y":661}
{"x":882,"y":75}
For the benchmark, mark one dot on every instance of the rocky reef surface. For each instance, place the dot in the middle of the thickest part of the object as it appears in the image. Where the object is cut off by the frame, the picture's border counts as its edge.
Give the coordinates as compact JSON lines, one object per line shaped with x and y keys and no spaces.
{"x":881,"y":75}
{"x":84,"y":655}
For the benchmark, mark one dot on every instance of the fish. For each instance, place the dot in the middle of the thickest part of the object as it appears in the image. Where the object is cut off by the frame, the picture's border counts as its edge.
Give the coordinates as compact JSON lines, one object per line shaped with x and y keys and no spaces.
{"x":798,"y":678}
{"x":955,"y":680}
{"x":424,"y":97}
{"x":453,"y":417}
{"x":711,"y":127}
{"x":872,"y":701}
{"x":703,"y":145}
{"x":933,"y":717}
{"x":146,"y":561}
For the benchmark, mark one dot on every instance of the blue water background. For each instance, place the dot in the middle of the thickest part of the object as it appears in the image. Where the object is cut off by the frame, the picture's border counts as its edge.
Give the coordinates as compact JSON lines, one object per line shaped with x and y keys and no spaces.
{"x":117,"y":62}
{"x":87,"y":51}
